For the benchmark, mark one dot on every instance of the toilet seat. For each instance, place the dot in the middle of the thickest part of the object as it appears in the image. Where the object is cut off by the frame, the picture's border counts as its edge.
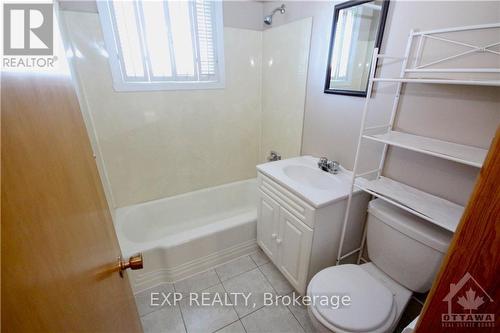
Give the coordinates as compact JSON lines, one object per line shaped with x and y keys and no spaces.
{"x":372,"y":307}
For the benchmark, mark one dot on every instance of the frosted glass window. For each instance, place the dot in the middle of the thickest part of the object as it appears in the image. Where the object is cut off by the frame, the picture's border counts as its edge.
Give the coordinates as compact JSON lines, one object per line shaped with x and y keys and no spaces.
{"x":160,"y":45}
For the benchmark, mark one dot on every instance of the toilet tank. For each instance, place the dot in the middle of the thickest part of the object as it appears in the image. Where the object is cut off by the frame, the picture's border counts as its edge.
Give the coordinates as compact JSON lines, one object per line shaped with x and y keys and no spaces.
{"x":407,"y":248}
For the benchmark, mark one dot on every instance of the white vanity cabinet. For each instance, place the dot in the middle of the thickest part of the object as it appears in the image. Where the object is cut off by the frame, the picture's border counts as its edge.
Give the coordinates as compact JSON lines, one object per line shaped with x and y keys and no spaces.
{"x":267,"y":231}
{"x":294,"y":243}
{"x":301,"y":239}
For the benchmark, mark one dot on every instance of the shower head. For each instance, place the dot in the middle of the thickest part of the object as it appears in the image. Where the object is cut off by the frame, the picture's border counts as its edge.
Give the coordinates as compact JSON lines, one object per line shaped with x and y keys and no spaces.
{"x":269,"y":18}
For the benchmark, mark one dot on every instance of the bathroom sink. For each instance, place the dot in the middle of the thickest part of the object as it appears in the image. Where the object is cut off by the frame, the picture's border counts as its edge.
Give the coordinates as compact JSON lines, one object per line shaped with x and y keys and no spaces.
{"x":310,"y":177}
{"x":302,"y":177}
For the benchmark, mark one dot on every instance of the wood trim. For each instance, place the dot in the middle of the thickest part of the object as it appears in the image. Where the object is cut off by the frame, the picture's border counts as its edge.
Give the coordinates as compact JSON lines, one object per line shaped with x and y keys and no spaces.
{"x":475,"y":249}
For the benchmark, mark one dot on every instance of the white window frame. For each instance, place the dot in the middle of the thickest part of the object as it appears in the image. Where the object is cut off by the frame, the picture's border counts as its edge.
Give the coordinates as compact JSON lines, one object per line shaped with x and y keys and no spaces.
{"x":122,"y":83}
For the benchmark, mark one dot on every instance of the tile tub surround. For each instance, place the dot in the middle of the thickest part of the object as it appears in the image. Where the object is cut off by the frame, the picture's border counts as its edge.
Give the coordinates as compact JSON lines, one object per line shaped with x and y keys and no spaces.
{"x":285,"y":57}
{"x":159,"y":144}
{"x":245,"y":274}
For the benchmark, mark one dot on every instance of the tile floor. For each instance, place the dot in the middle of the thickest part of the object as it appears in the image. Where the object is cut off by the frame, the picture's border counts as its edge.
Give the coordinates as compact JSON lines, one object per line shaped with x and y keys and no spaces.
{"x":254,"y":274}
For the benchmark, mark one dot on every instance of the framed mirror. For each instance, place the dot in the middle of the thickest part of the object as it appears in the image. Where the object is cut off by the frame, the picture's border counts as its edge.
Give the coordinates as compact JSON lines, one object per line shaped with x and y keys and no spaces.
{"x":358,"y":26}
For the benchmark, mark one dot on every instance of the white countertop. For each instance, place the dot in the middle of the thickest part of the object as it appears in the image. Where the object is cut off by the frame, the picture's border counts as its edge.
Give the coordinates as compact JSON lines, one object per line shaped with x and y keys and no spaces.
{"x":301,"y":176}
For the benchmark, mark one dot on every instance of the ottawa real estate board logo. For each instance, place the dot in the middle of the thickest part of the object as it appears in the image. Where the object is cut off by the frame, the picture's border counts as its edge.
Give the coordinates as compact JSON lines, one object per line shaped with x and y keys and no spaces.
{"x":28,"y":35}
{"x":467,"y":305}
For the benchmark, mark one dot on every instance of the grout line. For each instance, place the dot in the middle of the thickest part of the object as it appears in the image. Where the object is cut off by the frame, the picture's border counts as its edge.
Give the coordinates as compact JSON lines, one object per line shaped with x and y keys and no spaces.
{"x":214,"y":269}
{"x":222,"y":285}
{"x":293,"y":314}
{"x":192,"y":275}
{"x":298,"y":321}
{"x":232,"y":277}
{"x":234,"y":309}
{"x":286,"y":307}
{"x":217,"y":330}
{"x":253,"y":260}
{"x":268,"y":281}
{"x":182,"y":315}
{"x":197,"y":291}
{"x":267,"y":262}
{"x":242,"y":325}
{"x":218,"y":277}
{"x":239,"y":318}
{"x":253,"y":311}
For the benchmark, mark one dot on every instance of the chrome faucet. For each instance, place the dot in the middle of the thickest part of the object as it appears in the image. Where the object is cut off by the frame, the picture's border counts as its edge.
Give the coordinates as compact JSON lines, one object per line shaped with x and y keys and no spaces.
{"x":273,"y":156}
{"x":328,"y":165}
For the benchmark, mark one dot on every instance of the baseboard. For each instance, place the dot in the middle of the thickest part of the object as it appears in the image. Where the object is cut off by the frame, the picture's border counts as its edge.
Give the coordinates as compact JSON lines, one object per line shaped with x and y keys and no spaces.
{"x":143,"y":281}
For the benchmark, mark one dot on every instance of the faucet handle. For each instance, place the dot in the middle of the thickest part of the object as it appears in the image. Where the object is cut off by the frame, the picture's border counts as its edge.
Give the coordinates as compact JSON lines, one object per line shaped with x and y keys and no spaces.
{"x":329,"y":166}
{"x":333,"y":167}
{"x":273,"y":156}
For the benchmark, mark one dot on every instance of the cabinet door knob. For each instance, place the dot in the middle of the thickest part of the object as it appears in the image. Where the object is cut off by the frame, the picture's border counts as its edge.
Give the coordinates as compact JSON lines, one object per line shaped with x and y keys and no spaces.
{"x":273,"y":236}
{"x":278,"y":240}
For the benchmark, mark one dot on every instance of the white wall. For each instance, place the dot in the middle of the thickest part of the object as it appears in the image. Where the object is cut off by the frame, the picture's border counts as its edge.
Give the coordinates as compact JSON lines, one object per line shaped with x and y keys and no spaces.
{"x":237,"y":14}
{"x":468,"y":115}
{"x":243,"y":14}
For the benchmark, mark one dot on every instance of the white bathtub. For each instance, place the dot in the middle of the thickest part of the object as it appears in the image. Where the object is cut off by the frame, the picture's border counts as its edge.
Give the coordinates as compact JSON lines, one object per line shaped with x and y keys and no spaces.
{"x":186,"y":234}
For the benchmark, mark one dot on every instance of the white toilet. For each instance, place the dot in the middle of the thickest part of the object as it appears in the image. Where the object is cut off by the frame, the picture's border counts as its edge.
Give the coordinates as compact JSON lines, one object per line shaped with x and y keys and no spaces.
{"x":405,"y":254}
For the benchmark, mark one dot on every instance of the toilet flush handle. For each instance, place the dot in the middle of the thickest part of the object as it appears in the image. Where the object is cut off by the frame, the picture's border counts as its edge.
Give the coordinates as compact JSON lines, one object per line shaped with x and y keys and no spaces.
{"x":273,"y":236}
{"x":278,"y":240}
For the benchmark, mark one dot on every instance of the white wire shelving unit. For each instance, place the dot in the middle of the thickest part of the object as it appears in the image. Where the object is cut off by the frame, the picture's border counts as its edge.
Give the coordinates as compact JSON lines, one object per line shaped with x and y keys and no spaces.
{"x":429,"y":207}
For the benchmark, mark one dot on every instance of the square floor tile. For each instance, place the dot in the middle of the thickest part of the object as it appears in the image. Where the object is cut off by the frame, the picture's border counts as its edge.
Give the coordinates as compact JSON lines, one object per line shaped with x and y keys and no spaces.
{"x":143,"y":299}
{"x":167,"y":319}
{"x":235,"y":267}
{"x":275,"y":319}
{"x":197,"y":282}
{"x":236,"y":327}
{"x":202,"y":318}
{"x":276,"y":279}
{"x":252,"y":282}
{"x":259,"y":257}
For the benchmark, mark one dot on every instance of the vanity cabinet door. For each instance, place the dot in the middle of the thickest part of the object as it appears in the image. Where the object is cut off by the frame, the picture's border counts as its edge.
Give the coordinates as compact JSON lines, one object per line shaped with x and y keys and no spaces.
{"x":267,"y":225}
{"x":294,"y":246}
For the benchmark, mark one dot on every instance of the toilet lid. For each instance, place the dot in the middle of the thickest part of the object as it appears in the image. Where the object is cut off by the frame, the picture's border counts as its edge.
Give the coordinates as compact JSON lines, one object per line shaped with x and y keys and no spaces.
{"x":371,"y":303}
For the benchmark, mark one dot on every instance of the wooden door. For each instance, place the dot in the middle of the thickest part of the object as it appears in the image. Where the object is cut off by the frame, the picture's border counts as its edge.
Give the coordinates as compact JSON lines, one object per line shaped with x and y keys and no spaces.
{"x":267,"y":225}
{"x":295,"y":241}
{"x":59,"y":248}
{"x":465,"y":295}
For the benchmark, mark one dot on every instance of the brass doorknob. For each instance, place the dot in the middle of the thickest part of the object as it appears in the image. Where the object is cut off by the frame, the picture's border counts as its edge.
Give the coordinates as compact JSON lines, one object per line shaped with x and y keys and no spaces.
{"x":134,"y":262}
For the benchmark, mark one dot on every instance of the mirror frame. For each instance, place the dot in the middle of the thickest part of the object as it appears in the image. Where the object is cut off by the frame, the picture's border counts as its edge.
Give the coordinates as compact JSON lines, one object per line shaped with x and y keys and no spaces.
{"x":378,"y":42}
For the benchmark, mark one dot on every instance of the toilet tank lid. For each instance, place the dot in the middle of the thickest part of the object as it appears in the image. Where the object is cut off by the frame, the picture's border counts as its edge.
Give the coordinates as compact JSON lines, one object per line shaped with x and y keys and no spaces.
{"x":414,"y":227}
